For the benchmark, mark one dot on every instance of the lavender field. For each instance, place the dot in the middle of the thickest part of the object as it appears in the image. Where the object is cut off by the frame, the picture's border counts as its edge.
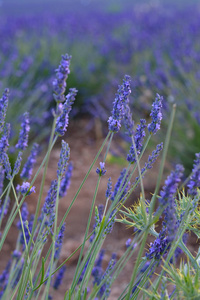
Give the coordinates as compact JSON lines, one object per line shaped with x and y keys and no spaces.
{"x":101,"y":99}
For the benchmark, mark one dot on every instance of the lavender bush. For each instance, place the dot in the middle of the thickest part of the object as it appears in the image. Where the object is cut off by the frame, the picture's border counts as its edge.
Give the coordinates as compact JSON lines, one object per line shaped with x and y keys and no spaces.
{"x":32,"y":272}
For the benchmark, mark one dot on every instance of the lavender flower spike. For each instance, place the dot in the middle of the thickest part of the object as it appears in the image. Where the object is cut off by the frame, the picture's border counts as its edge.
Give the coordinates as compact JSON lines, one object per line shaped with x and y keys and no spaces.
{"x":49,"y":204}
{"x":28,"y":167}
{"x":63,"y":161}
{"x":65,"y":183}
{"x":138,"y":139}
{"x":167,"y":199}
{"x":58,"y":242}
{"x":59,"y":84}
{"x":3,"y":108}
{"x":59,"y":277}
{"x":63,"y":119}
{"x":4,"y":140}
{"x":114,"y":121}
{"x":23,"y":135}
{"x":194,"y":182}
{"x":156,"y":115}
{"x":17,"y":164}
{"x":171,"y":185}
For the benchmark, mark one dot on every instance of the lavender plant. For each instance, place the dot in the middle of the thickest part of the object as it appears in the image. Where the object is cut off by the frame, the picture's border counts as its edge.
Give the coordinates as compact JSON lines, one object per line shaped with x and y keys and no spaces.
{"x":32,"y":272}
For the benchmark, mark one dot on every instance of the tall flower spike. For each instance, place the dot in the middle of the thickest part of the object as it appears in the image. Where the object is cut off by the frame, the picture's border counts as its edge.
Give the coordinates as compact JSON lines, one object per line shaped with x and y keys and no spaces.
{"x":3,"y":108}
{"x":63,"y":119}
{"x":23,"y":135}
{"x":194,"y":182}
{"x":59,"y":277}
{"x":17,"y":164}
{"x":4,"y":139}
{"x":28,"y":167}
{"x":58,"y":242}
{"x":59,"y":84}
{"x":109,"y":188}
{"x":7,"y":166}
{"x":138,"y":139}
{"x":156,"y":115}
{"x":114,"y":121}
{"x":63,"y":161}
{"x":167,"y":199}
{"x":65,"y":183}
{"x":171,"y":185}
{"x":49,"y":204}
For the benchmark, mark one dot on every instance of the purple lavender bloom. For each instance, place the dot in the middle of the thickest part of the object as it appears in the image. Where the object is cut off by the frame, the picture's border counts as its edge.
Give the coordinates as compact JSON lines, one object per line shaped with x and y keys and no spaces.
{"x":63,"y":161}
{"x":58,"y":242}
{"x":128,"y":121}
{"x":105,"y":288}
{"x":97,"y":271}
{"x":63,"y":119}
{"x":59,"y":84}
{"x":152,"y":158}
{"x":194,"y":182}
{"x":116,"y":191}
{"x":17,"y":164}
{"x":156,"y":115}
{"x":101,"y":171}
{"x":171,"y":185}
{"x":7,"y":166}
{"x":65,"y":183}
{"x":114,"y":121}
{"x":109,"y":188}
{"x":59,"y":277}
{"x":49,"y":204}
{"x":128,"y":243}
{"x":167,"y":199}
{"x":4,"y":278}
{"x":4,"y":144}
{"x":28,"y":167}
{"x":16,"y":254}
{"x":159,"y":247}
{"x":23,"y":135}
{"x":25,"y":188}
{"x":138,"y":139}
{"x":3,"y":108}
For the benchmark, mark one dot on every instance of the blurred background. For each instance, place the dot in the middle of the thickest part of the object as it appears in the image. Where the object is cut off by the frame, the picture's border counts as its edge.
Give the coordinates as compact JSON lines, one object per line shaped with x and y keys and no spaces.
{"x":155,"y":42}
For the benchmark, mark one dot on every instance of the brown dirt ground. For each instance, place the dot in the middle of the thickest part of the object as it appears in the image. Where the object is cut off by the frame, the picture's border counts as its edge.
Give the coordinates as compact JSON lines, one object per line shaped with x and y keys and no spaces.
{"x":84,"y":145}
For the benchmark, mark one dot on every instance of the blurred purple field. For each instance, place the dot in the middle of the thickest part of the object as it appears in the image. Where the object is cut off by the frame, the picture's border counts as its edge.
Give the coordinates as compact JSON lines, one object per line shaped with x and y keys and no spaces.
{"x":156,"y":43}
